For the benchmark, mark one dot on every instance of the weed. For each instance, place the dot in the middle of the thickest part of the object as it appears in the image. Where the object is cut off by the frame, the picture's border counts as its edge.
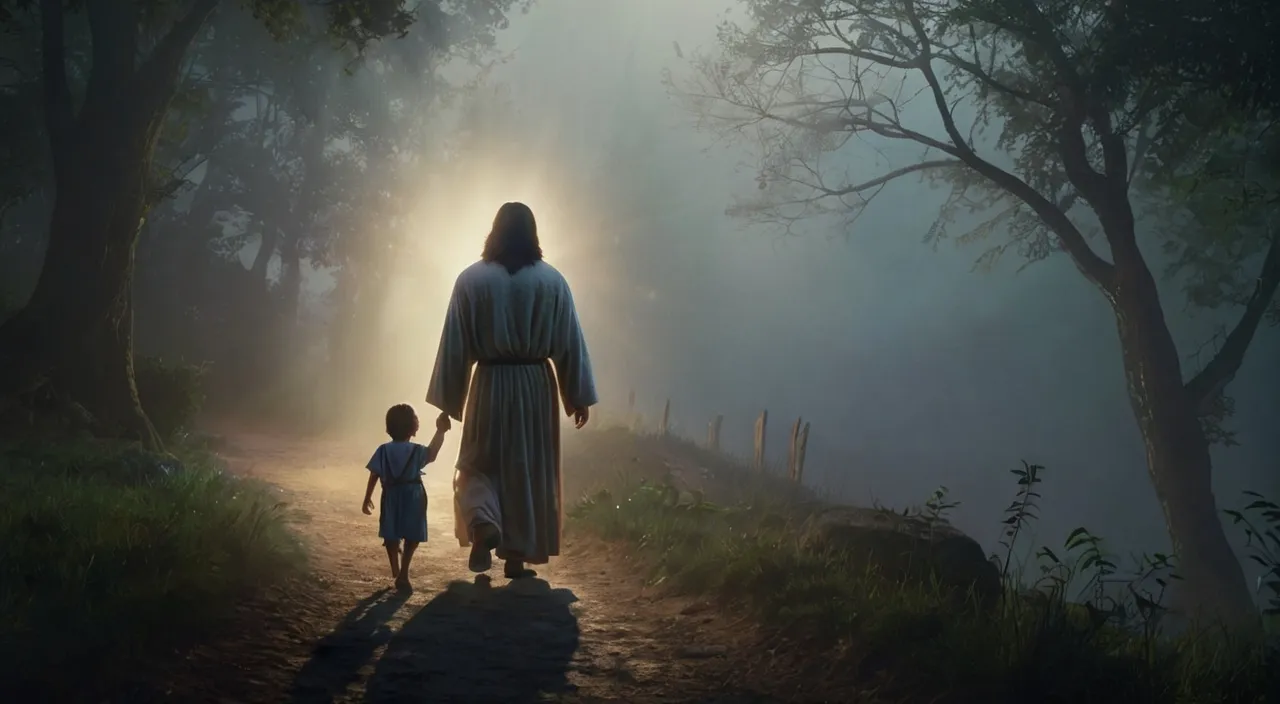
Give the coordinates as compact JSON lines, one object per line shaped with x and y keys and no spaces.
{"x":1260,"y":520}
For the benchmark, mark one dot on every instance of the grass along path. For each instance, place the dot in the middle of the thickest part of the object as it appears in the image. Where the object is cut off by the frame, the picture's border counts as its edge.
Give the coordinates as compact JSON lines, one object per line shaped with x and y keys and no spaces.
{"x":587,"y":630}
{"x":906,"y":640}
{"x":108,"y":554}
{"x":651,"y":603}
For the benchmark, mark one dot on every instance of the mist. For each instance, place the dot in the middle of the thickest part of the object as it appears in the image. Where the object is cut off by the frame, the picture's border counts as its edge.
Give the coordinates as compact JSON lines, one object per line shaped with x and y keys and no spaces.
{"x":915,"y":370}
{"x":230,"y":234}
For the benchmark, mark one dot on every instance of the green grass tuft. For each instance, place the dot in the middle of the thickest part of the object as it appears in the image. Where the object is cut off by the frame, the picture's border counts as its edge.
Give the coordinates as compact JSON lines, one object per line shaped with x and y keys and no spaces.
{"x":913,"y":641}
{"x":110,"y":553}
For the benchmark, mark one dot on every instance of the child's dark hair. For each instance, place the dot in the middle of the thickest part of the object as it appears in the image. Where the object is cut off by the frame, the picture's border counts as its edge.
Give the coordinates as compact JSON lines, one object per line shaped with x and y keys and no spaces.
{"x":402,"y":422}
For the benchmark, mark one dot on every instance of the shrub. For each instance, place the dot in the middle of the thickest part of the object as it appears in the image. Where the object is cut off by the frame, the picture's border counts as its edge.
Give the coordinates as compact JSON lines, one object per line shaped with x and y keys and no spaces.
{"x":1071,"y":635}
{"x":172,"y":394}
{"x":110,"y":553}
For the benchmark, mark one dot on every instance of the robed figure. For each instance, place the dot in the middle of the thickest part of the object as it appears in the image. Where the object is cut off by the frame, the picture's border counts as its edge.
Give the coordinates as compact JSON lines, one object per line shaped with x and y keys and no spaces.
{"x":512,"y":320}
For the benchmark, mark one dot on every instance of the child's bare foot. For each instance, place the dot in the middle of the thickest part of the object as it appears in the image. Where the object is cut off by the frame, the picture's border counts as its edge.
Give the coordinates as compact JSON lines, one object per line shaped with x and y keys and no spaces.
{"x":402,"y":584}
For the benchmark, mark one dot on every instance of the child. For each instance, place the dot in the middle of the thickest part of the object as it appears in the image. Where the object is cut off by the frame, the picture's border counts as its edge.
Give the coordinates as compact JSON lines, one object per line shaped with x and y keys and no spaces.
{"x":398,"y":466}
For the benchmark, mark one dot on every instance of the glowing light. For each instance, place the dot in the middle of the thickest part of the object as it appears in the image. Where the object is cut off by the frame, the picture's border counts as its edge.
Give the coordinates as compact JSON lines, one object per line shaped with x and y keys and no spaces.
{"x":451,"y":226}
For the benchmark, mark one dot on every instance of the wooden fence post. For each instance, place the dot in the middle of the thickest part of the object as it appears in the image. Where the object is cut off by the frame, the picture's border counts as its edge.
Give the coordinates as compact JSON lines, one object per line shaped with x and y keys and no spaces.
{"x":762,"y":425}
{"x":666,"y":418}
{"x":792,"y":445}
{"x":713,"y":433}
{"x":802,"y":444}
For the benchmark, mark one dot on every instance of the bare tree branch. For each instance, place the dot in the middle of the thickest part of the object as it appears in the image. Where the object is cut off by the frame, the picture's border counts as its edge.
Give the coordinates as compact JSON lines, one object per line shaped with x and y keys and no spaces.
{"x":886,"y":178}
{"x":1087,"y":261}
{"x":989,"y":81}
{"x":1115,"y":152}
{"x":1221,"y":370}
{"x":162,"y":67}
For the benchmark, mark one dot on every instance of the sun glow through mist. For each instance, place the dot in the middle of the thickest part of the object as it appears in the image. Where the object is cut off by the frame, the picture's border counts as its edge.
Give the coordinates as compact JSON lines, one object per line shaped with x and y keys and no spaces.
{"x":446,"y":234}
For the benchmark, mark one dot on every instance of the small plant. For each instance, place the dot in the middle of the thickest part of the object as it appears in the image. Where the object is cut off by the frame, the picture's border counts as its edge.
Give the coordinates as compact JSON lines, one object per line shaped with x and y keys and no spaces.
{"x":936,"y":510}
{"x":1260,"y":520}
{"x":1157,"y":568}
{"x":1019,"y":514}
{"x":928,"y":517}
{"x":1095,"y":563}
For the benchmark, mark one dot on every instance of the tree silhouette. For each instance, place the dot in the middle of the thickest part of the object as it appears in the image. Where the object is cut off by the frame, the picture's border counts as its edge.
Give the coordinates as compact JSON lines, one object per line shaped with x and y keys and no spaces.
{"x":1040,"y":116}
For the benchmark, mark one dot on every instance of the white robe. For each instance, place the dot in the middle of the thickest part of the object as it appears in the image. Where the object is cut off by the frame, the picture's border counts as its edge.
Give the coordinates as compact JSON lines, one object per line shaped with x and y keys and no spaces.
{"x":509,"y":459}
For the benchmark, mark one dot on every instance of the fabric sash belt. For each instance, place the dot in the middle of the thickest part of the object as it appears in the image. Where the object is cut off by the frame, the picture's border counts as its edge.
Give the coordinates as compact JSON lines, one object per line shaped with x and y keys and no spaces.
{"x":511,"y":362}
{"x":403,"y":482}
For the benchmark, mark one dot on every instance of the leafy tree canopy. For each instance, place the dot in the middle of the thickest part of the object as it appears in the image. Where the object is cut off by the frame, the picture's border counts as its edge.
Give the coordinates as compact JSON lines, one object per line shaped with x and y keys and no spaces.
{"x":1055,"y":125}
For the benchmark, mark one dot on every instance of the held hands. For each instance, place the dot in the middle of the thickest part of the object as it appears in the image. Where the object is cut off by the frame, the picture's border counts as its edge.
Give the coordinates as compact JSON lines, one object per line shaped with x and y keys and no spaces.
{"x":442,"y":423}
{"x":368,"y":506}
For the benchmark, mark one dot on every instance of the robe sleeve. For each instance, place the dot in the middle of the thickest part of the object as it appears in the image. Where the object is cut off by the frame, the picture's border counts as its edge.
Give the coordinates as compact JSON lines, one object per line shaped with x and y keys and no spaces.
{"x":452,"y":374}
{"x":569,"y":354}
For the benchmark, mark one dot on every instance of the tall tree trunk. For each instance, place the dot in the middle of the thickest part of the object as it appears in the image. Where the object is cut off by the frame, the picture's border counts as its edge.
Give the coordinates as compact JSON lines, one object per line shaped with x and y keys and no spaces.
{"x":267,"y":242}
{"x":76,"y":332}
{"x":288,"y":348}
{"x":1178,"y":457}
{"x":290,"y":281}
{"x":74,"y":339}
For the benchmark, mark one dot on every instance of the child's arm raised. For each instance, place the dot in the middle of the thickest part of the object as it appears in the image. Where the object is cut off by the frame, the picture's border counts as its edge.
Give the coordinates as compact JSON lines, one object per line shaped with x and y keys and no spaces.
{"x":442,"y":427}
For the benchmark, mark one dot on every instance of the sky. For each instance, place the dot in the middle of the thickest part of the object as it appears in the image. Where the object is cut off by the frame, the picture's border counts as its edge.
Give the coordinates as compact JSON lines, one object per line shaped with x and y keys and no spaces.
{"x":914,"y":370}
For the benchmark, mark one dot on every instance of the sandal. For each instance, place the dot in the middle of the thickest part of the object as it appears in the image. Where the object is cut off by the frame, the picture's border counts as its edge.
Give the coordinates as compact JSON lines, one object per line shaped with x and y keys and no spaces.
{"x":517,"y":570}
{"x":487,"y":540}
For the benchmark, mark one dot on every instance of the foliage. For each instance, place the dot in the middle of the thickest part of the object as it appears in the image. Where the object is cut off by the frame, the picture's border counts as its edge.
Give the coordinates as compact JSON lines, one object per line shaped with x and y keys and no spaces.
{"x":291,"y":129}
{"x":1040,"y":118}
{"x":171,"y":393}
{"x":1081,"y":630}
{"x":110,"y":552}
{"x":1061,"y":92}
{"x":1225,"y":49}
{"x":1260,"y":520}
{"x":1038,"y":85}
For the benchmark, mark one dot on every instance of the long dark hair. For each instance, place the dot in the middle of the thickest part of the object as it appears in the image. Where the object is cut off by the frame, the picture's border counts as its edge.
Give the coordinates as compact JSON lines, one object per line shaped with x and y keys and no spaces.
{"x":513,"y":240}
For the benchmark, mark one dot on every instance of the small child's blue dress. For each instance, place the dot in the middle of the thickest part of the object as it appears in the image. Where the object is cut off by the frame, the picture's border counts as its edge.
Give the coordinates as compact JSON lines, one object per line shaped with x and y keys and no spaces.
{"x":403,"y":514}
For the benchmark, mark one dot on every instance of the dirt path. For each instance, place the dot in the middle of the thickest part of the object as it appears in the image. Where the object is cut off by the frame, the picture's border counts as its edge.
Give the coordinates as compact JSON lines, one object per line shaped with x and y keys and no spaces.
{"x":586,"y":630}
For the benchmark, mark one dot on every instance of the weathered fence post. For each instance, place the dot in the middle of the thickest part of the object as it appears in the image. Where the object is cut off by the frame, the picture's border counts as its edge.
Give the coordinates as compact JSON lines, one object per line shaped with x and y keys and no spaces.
{"x":762,"y":424}
{"x":713,"y":433}
{"x":801,"y":446}
{"x":792,"y":444}
{"x":666,"y":418}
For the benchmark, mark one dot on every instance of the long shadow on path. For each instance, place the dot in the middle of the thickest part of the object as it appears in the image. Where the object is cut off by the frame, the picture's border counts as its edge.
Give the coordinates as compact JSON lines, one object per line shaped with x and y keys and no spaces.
{"x":338,"y":658}
{"x":480,"y":643}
